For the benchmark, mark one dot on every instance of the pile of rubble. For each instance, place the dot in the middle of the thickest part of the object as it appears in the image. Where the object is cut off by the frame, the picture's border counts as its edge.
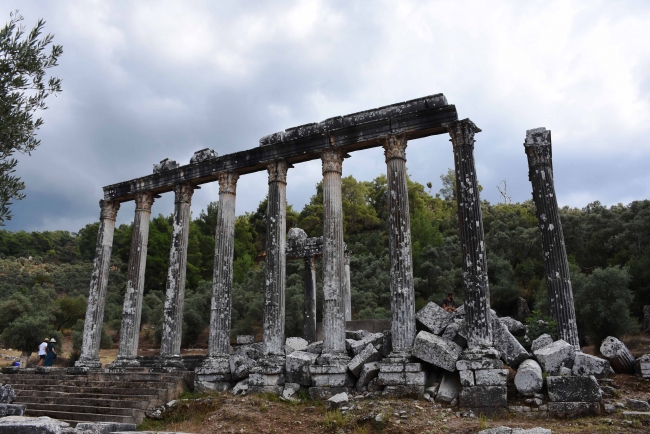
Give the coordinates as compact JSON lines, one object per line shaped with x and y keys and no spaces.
{"x":7,"y":396}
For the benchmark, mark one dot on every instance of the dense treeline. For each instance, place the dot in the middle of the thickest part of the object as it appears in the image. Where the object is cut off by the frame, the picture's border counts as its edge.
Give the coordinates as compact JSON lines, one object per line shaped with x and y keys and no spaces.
{"x":45,"y":275}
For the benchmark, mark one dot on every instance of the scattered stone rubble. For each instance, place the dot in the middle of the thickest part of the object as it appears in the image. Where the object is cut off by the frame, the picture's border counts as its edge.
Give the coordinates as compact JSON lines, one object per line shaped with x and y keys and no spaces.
{"x":46,"y":425}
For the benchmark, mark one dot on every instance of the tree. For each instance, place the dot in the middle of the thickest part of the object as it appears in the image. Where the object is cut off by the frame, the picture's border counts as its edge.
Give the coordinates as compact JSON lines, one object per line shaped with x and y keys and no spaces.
{"x":26,"y":333}
{"x":67,"y":310}
{"x":23,"y":91}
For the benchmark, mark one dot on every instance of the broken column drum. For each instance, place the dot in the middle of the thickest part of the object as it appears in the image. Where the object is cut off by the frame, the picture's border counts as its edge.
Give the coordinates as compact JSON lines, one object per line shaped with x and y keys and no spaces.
{"x":333,"y":254}
{"x":402,"y":294}
{"x":94,"y":322}
{"x":556,"y":266}
{"x":275,"y":282}
{"x":132,"y":310}
{"x":309,"y":303}
{"x":470,"y":222}
{"x":172,"y":329}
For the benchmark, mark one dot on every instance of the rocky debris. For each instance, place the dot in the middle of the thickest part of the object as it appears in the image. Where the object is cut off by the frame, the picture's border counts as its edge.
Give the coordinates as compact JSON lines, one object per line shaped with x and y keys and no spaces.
{"x":103,"y":427}
{"x":33,"y":425}
{"x":586,"y":364}
{"x":483,"y":396}
{"x":356,"y":335}
{"x":449,"y":387}
{"x":290,"y":390}
{"x":642,"y":366}
{"x":512,"y":352}
{"x":528,"y":379}
{"x":166,"y":164}
{"x":456,"y":332}
{"x":241,"y":388}
{"x":637,"y":405}
{"x":367,"y":355}
{"x":245,"y":339}
{"x":315,"y":347}
{"x":555,"y":356}
{"x":252,"y":351}
{"x":337,"y":401}
{"x":436,"y":350}
{"x":490,"y":377}
{"x":355,"y":347}
{"x":297,"y":366}
{"x":572,"y":410}
{"x":573,"y":389}
{"x":203,"y":155}
{"x":12,"y":410}
{"x":295,"y":344}
{"x":240,"y":367}
{"x":506,"y":430}
{"x":369,"y":372}
{"x":434,"y":318}
{"x":541,"y":342}
{"x":515,"y":327}
{"x":619,"y":356}
{"x":7,"y":394}
{"x":634,"y":415}
{"x":565,"y":372}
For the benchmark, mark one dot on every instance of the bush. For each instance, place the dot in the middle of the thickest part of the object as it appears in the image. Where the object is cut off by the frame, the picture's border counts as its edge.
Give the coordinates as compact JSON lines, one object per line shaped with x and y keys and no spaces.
{"x":27,"y":332}
{"x":538,"y":324}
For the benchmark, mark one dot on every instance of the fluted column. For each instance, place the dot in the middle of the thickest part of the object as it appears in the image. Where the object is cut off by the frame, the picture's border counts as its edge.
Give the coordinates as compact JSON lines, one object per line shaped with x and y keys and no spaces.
{"x":132,"y":310}
{"x":402,"y":293}
{"x":309,"y":303}
{"x":172,"y":331}
{"x":558,"y":280}
{"x":470,"y":222}
{"x":275,"y":282}
{"x":94,"y":322}
{"x":224,"y":251}
{"x":333,"y":253}
{"x":347,"y":289}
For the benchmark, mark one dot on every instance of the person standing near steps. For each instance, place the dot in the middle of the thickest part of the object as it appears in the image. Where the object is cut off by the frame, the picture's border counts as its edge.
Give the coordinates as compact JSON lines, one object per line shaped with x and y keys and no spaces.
{"x":51,"y":353}
{"x":42,"y":351}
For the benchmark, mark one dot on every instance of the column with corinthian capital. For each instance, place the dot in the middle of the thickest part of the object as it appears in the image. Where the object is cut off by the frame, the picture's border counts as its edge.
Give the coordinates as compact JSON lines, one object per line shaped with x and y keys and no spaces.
{"x":132,"y":310}
{"x":172,"y":329}
{"x":93,"y":324}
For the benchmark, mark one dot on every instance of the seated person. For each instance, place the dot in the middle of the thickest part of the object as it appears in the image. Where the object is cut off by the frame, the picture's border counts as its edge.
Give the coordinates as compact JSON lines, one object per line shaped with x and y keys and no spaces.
{"x":448,"y":304}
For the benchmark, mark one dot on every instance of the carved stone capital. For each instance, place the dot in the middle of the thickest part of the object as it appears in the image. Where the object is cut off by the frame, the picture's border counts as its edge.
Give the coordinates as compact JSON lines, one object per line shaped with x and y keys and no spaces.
{"x":183,"y":192}
{"x":144,"y":201}
{"x":278,"y":171}
{"x":332,"y":160}
{"x":462,"y":132}
{"x":109,"y":209}
{"x":538,"y":147}
{"x":395,"y":147}
{"x":228,"y":182}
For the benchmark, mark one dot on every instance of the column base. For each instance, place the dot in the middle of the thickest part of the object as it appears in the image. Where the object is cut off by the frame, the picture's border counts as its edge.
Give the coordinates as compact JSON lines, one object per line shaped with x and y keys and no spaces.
{"x":268,"y":376}
{"x":169,"y":364}
{"x":88,"y":363}
{"x":123,"y":362}
{"x":213,"y":374}
{"x":400,"y":377}
{"x":483,"y":381}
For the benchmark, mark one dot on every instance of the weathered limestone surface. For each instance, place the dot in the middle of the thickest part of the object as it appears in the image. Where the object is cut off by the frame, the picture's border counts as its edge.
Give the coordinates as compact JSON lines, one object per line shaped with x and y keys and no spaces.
{"x":456,"y":332}
{"x":512,"y":352}
{"x":434,"y":318}
{"x":642,"y":366}
{"x":637,"y":405}
{"x":337,"y":401}
{"x":528,"y":379}
{"x":240,"y":367}
{"x":470,"y":222}
{"x":170,"y":344}
{"x":369,"y":371}
{"x":203,"y":155}
{"x":619,"y":356}
{"x":132,"y":310}
{"x":309,"y":303}
{"x":555,"y":356}
{"x":402,"y":294}
{"x":93,"y":324}
{"x":570,"y":410}
{"x":541,"y":342}
{"x":369,"y":354}
{"x":586,"y":364}
{"x":516,"y":328}
{"x":491,"y":377}
{"x":436,"y":350}
{"x":297,"y":367}
{"x":556,"y":265}
{"x":483,"y":396}
{"x":275,"y":282}
{"x":355,"y":347}
{"x":7,"y":394}
{"x":295,"y":344}
{"x":449,"y":387}
{"x":245,"y":339}
{"x":573,"y":389}
{"x":347,"y":289}
{"x":333,"y":252}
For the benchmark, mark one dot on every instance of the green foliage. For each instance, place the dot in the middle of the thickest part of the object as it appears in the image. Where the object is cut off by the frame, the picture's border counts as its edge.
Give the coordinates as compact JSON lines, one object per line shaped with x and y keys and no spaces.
{"x":26,"y":333}
{"x":23,"y":91}
{"x":538,"y":324}
{"x":67,"y":310}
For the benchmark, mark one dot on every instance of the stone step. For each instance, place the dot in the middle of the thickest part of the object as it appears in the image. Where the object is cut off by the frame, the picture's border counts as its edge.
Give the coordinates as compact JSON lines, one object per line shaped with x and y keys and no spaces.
{"x":97,"y":390}
{"x":60,"y":395}
{"x":92,"y":383}
{"x":81,"y":417}
{"x":66,"y":399}
{"x":79,"y":409}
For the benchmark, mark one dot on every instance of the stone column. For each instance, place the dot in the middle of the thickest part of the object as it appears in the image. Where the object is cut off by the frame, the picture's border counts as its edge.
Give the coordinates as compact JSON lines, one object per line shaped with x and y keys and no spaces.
{"x":309,"y":304}
{"x":93,"y":324}
{"x":132,"y":310}
{"x":401,"y":257}
{"x":276,"y":232}
{"x":333,"y":258}
{"x":470,"y":222}
{"x":347,"y":289}
{"x":172,"y":330}
{"x":556,"y":265}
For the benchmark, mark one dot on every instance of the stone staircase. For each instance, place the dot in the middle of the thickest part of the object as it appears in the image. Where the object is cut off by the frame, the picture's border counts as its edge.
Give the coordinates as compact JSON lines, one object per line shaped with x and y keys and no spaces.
{"x":95,"y":396}
{"x":190,"y":362}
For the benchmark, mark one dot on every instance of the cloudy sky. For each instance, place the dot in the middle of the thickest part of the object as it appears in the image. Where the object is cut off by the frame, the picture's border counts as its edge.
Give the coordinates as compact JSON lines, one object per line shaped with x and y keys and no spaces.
{"x":146,"y":80}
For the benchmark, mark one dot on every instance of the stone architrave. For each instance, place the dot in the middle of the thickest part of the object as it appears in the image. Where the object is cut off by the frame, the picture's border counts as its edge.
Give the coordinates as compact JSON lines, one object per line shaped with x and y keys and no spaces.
{"x":93,"y":324}
{"x":558,"y":280}
{"x":172,"y":329}
{"x":470,"y":222}
{"x":347,"y":289}
{"x":333,"y":256}
{"x":402,"y":292}
{"x":132,"y":310}
{"x":224,"y":250}
{"x":309,"y":303}
{"x":275,"y":282}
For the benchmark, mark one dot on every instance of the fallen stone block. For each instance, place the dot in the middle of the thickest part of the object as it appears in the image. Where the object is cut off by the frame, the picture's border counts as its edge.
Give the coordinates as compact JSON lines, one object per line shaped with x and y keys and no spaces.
{"x":403,"y":391}
{"x":323,"y":393}
{"x":586,"y":364}
{"x":32,"y":425}
{"x":541,"y":342}
{"x":355,"y":347}
{"x":331,"y":376}
{"x":491,"y":377}
{"x":637,"y":405}
{"x":12,"y":410}
{"x":240,"y":388}
{"x":512,"y":352}
{"x":467,"y":378}
{"x":436,"y":350}
{"x":483,"y":396}
{"x":252,"y":351}
{"x":515,"y":327}
{"x":295,"y":344}
{"x":449,"y":387}
{"x":642,"y":366}
{"x":245,"y":339}
{"x":396,"y":374}
{"x":456,"y":332}
{"x":641,"y":416}
{"x":7,"y":394}
{"x":369,"y":372}
{"x":337,"y":401}
{"x":315,"y":347}
{"x":369,"y":354}
{"x":290,"y":391}
{"x":528,"y":379}
{"x":573,"y":389}
{"x":619,"y":356}
{"x":104,"y":427}
{"x":434,"y":318}
{"x":240,"y":367}
{"x":552,"y":357}
{"x":297,"y":366}
{"x":356,"y":335}
{"x":571,"y":410}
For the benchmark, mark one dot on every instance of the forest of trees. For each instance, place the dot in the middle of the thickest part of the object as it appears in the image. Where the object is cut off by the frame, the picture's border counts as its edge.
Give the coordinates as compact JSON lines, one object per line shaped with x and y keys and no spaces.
{"x":44,"y":276}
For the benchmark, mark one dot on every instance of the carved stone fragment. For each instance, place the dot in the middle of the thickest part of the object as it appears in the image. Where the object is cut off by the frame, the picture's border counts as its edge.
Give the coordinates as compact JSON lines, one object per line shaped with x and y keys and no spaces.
{"x":619,"y":356}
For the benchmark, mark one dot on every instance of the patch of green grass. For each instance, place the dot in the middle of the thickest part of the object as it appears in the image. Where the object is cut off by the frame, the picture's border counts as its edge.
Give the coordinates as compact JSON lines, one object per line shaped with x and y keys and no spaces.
{"x":270,"y":397}
{"x":196,"y":411}
{"x":335,"y":419}
{"x":482,"y":422}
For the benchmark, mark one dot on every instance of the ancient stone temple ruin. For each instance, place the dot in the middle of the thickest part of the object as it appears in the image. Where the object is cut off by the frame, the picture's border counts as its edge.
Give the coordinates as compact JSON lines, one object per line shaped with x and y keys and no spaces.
{"x":458,"y":358}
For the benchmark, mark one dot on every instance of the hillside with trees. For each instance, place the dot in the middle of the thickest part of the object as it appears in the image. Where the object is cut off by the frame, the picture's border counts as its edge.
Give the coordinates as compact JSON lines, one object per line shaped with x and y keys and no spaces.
{"x":44,"y":276}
